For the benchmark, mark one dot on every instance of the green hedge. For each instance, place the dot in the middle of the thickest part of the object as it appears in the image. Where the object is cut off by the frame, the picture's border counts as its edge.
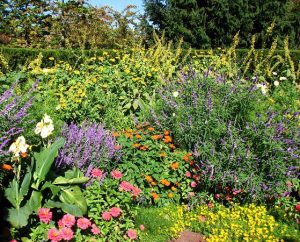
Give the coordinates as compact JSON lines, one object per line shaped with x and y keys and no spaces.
{"x":18,"y":57}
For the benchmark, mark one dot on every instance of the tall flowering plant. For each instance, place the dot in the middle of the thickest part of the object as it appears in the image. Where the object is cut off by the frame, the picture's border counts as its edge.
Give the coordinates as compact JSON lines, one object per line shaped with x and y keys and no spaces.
{"x":88,"y":146}
{"x":13,"y":111}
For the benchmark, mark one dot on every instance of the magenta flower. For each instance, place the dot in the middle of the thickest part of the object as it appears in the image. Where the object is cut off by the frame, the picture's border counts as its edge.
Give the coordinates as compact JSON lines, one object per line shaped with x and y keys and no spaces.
{"x":83,"y":223}
{"x":66,"y":233}
{"x":142,"y":227}
{"x":106,"y":216}
{"x":97,"y":173}
{"x":132,"y":234}
{"x":193,"y":184}
{"x":116,"y":174}
{"x":68,"y":220}
{"x":95,"y":230}
{"x":45,"y":215}
{"x":126,"y":186}
{"x":115,"y":212}
{"x":54,"y":235}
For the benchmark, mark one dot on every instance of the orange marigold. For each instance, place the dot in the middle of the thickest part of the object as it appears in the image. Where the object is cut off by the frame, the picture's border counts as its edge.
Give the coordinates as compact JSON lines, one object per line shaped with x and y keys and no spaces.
{"x":153,"y":183}
{"x":136,"y":145}
{"x":7,"y":167}
{"x":138,"y":136}
{"x":149,"y":179}
{"x":156,"y":137}
{"x":151,"y":129}
{"x":154,"y":195}
{"x":170,"y":195}
{"x":167,"y":139}
{"x":175,"y":165}
{"x":144,"y":147}
{"x":172,"y":146}
{"x":115,"y":134}
{"x":165,"y":182}
{"x":173,"y":188}
{"x":167,"y":132}
{"x":162,"y":155}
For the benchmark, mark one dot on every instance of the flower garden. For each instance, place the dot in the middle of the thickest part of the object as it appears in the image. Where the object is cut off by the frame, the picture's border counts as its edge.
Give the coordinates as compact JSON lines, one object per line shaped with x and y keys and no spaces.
{"x":142,"y":144}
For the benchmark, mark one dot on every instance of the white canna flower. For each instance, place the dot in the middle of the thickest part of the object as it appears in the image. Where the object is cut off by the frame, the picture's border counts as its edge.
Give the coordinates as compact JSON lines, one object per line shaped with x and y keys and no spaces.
{"x":19,"y":146}
{"x":45,"y":127}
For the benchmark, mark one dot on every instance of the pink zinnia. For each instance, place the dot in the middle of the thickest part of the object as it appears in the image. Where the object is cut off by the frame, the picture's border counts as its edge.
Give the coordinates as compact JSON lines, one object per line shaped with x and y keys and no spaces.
{"x":83,"y":223}
{"x":188,"y":174}
{"x":54,"y":235}
{"x":45,"y":215}
{"x":193,"y":184}
{"x":106,"y":216}
{"x":66,"y":233}
{"x":97,"y":173}
{"x":126,"y":186}
{"x":132,"y":234}
{"x":142,"y":227}
{"x":136,"y":191}
{"x":115,"y":212}
{"x":95,"y":230}
{"x":67,"y":220}
{"x":13,"y":240}
{"x":116,"y":174}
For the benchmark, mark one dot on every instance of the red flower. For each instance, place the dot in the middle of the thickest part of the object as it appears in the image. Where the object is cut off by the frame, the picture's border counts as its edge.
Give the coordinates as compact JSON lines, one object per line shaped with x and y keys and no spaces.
{"x":297,"y":207}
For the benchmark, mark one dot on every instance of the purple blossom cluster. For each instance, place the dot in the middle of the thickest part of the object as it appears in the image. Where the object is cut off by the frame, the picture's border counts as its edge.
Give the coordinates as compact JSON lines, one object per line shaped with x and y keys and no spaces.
{"x":13,"y":110}
{"x":88,"y":146}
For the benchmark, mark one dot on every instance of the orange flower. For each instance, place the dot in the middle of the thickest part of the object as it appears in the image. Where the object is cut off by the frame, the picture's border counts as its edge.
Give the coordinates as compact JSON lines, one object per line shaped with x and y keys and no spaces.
{"x":191,"y":163}
{"x":154,"y":195}
{"x":173,"y":188}
{"x":115,"y":134}
{"x":24,"y":154}
{"x":136,"y":145}
{"x":186,"y":157}
{"x":170,"y":195}
{"x":172,"y":146}
{"x":165,"y":182}
{"x":149,"y":179}
{"x":156,"y":137}
{"x":144,"y":147}
{"x":129,"y":130}
{"x":7,"y":167}
{"x":162,"y":155}
{"x":167,"y":139}
{"x":153,"y":183}
{"x":117,"y":147}
{"x":138,"y":136}
{"x":167,"y":132}
{"x":151,"y":129}
{"x":175,"y":165}
{"x":128,"y":135}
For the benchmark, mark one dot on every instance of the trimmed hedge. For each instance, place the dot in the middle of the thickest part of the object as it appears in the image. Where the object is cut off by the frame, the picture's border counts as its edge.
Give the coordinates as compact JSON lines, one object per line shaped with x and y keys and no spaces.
{"x":18,"y":57}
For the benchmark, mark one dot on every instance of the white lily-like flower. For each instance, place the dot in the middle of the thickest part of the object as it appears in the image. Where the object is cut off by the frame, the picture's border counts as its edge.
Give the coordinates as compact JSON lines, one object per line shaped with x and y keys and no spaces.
{"x":282,"y":78}
{"x":274,"y":73}
{"x":276,"y":83}
{"x":19,"y":146}
{"x":45,"y":127}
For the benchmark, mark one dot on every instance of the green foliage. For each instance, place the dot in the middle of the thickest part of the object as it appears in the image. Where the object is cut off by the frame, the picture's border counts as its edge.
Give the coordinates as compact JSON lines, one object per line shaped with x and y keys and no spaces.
{"x":204,"y":24}
{"x":101,"y":197}
{"x":151,"y":161}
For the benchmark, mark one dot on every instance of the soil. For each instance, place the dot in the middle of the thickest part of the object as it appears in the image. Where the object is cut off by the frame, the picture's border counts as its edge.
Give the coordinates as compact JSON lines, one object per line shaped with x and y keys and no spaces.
{"x":188,"y":236}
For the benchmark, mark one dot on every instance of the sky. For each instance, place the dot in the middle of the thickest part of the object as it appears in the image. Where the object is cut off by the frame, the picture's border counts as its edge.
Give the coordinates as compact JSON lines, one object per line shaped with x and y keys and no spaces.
{"x":118,"y":4}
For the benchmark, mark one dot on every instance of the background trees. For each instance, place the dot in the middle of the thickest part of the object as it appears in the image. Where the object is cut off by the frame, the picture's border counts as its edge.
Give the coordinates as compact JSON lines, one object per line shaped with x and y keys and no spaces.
{"x":213,"y":23}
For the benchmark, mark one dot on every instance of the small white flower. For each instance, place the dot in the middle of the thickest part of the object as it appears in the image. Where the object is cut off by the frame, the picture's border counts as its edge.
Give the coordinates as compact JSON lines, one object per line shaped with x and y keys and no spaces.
{"x":57,"y":107}
{"x":19,"y":146}
{"x":173,"y":114}
{"x":282,"y":78}
{"x":274,"y":73}
{"x":175,"y":94}
{"x":276,"y":83}
{"x":45,"y":127}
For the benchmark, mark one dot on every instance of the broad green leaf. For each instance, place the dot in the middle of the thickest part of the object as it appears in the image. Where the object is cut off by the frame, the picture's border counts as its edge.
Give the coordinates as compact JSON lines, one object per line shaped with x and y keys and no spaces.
{"x":35,"y":200}
{"x":64,"y":181}
{"x":25,"y":184}
{"x":18,"y":218}
{"x":73,"y":195}
{"x":67,"y":208}
{"x":12,"y":193}
{"x":127,"y":106}
{"x":44,"y":161}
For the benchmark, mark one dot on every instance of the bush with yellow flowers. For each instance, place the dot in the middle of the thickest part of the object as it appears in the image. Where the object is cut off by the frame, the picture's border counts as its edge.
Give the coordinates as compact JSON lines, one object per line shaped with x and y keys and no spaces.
{"x":153,"y":162}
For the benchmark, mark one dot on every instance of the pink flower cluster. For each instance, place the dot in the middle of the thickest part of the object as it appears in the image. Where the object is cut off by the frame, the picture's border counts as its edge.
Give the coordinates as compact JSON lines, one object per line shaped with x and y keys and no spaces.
{"x":116,"y":174}
{"x":128,"y":187}
{"x":65,"y":225}
{"x":97,"y":173}
{"x":113,"y":212}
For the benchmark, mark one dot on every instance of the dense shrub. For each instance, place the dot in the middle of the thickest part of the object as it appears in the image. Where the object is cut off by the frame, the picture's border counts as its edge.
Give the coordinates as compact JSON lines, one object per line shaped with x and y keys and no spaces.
{"x":240,"y":152}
